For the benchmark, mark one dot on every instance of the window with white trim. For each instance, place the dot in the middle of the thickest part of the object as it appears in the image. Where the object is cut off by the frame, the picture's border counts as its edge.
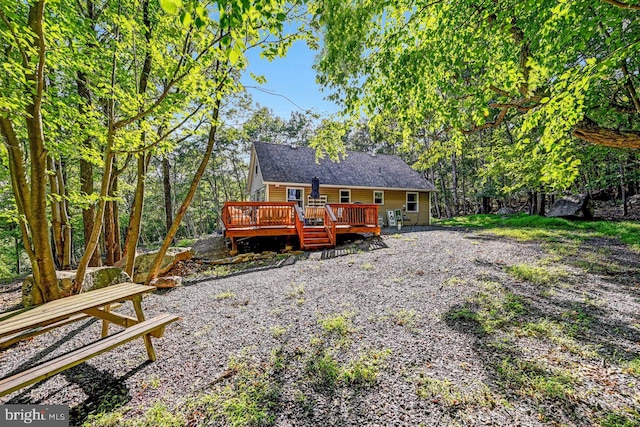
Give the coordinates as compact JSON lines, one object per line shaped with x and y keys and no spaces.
{"x":345,"y":196}
{"x":378,"y":197}
{"x":412,"y":202}
{"x":317,"y":203}
{"x":295,"y":195}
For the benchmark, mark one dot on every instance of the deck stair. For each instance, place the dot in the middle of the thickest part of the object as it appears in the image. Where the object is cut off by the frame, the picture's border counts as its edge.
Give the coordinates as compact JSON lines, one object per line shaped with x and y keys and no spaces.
{"x":316,"y":238}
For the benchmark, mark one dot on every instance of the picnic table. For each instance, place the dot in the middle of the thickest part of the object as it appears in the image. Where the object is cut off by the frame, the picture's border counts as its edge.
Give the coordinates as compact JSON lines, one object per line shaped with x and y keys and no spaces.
{"x":99,"y":303}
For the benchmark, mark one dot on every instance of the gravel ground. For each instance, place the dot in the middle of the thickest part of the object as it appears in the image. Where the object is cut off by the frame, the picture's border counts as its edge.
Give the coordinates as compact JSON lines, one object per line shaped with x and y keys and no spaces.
{"x":422,"y":300}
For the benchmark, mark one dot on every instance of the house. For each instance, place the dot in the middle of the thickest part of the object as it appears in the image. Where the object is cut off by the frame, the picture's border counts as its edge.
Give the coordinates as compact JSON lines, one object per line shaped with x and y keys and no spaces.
{"x":283,"y":173}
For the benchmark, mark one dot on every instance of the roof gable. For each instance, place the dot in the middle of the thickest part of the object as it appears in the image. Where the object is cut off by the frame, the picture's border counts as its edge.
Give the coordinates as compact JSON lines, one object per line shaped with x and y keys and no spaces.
{"x":283,"y":163}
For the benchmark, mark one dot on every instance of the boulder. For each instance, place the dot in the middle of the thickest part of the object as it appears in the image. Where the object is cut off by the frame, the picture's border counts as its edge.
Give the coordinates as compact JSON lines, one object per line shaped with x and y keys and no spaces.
{"x":505,"y":210}
{"x":210,"y":247}
{"x":95,"y":278}
{"x":576,"y":206}
{"x":166,"y":282}
{"x":171,"y":258}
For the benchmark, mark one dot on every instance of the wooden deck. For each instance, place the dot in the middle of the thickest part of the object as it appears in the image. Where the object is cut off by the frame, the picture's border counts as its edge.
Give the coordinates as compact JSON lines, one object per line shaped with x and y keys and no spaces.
{"x":316,"y":228}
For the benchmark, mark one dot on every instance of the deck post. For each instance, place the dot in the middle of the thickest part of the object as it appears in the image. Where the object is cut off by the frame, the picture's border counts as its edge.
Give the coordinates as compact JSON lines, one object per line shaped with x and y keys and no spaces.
{"x":234,"y":247}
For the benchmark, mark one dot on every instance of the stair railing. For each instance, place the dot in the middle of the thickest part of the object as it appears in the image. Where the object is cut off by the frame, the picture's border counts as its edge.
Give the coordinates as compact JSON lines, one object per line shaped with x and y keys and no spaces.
{"x":330,"y":223}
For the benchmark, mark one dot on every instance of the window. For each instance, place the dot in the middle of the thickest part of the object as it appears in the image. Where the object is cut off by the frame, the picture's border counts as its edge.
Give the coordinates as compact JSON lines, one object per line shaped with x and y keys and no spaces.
{"x":295,"y":195}
{"x":317,"y":203}
{"x":412,"y":202}
{"x":378,"y":197}
{"x":259,"y":195}
{"x":345,"y":196}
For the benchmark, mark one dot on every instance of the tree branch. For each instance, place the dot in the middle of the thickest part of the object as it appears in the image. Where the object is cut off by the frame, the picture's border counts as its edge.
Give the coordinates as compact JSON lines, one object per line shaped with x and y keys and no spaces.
{"x":622,"y":5}
{"x":590,"y":131}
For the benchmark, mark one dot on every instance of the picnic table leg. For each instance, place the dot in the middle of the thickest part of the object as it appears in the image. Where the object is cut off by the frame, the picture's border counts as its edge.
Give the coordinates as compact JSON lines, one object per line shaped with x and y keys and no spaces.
{"x":137,"y":305}
{"x":105,"y":323}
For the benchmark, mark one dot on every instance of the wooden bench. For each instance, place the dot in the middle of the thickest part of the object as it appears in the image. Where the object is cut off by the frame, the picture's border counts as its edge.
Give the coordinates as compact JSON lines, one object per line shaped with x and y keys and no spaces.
{"x":99,"y":304}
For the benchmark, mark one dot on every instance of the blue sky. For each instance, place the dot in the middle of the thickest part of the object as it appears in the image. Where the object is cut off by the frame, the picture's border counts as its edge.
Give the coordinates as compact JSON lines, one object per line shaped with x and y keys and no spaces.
{"x":292,"y":77}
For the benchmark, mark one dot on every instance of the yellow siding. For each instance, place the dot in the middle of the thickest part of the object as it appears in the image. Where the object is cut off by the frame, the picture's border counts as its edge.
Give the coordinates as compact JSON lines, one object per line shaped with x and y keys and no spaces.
{"x":393,"y":199}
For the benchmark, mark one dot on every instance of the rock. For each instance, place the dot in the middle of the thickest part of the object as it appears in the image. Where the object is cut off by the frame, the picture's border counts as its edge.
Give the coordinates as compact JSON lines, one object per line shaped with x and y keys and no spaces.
{"x":505,"y":210}
{"x":171,"y":258}
{"x":210,"y":247}
{"x":166,"y":282}
{"x":95,"y":278}
{"x":577,"y":206}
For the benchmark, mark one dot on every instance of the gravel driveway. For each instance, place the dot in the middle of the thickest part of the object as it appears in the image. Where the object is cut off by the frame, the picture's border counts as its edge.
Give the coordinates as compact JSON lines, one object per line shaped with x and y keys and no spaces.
{"x":450,"y":335}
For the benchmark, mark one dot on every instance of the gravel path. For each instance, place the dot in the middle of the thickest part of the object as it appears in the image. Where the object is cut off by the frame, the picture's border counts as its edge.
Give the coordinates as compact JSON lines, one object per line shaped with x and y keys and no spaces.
{"x":466,"y":343}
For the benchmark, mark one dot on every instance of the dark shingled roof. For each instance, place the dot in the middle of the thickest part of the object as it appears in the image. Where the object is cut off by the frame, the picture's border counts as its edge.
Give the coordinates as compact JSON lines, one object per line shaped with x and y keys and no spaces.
{"x":282,"y":163}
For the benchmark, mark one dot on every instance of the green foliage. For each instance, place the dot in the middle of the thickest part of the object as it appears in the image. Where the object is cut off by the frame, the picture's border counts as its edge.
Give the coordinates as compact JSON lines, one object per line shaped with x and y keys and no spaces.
{"x":250,"y":399}
{"x":365,"y":368}
{"x":536,"y":275}
{"x":441,"y":70}
{"x":494,"y":308}
{"x":534,"y":380}
{"x":224,"y":295}
{"x":452,"y":395}
{"x":339,"y":324}
{"x":323,"y":369}
{"x":534,"y":227}
{"x":633,"y":367}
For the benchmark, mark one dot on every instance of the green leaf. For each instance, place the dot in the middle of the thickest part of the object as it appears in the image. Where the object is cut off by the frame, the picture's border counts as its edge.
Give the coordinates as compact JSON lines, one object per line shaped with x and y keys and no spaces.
{"x":591,"y":61}
{"x":171,"y":6}
{"x":234,"y":54}
{"x":544,"y":100}
{"x":186,"y":19}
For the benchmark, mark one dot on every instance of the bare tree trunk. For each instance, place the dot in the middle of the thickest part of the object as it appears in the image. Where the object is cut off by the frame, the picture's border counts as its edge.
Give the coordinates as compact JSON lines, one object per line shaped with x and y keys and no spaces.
{"x":86,"y":167}
{"x":155,"y":268}
{"x":166,"y":183}
{"x":64,"y":217}
{"x":56,"y":221}
{"x":135,"y":219}
{"x":447,"y":207}
{"x":623,"y":190}
{"x":454,"y":185}
{"x":117,"y":248}
{"x":109,"y":232}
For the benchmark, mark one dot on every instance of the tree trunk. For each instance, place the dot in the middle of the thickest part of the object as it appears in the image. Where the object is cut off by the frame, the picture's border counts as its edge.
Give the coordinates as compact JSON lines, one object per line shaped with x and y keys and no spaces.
{"x":64,"y":217}
{"x":155,"y":268}
{"x":623,"y":192}
{"x":109,"y":233}
{"x":16,"y":243}
{"x":44,"y":265}
{"x":166,"y":183}
{"x":454,"y":185}
{"x":56,"y":218}
{"x":445,"y":199}
{"x":117,"y":248}
{"x":135,"y":219}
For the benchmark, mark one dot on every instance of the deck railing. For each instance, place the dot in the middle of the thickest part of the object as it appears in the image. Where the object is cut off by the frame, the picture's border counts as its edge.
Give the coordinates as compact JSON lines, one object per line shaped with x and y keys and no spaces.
{"x":355,"y":214}
{"x":257,"y":214}
{"x":330,"y":224}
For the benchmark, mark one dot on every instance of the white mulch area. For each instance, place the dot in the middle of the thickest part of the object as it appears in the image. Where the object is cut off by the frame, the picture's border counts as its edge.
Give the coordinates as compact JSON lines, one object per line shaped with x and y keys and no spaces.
{"x":432,"y":272}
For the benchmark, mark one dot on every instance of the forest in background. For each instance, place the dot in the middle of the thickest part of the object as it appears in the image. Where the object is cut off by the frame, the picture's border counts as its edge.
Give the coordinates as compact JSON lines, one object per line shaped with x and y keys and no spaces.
{"x":124,"y":123}
{"x":485,"y":176}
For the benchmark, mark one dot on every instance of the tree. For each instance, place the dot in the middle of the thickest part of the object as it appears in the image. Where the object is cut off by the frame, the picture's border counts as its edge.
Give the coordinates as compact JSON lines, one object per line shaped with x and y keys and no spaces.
{"x":552,"y":69}
{"x":106,"y":81}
